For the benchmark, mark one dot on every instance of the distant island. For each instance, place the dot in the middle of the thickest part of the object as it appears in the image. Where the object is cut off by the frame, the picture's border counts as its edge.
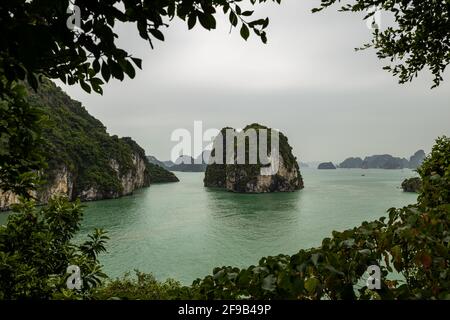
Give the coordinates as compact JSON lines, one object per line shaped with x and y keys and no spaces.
{"x":182,"y":164}
{"x":384,"y":161}
{"x":247,"y":178}
{"x":351,"y":163}
{"x":189,"y":164}
{"x":326,"y":166}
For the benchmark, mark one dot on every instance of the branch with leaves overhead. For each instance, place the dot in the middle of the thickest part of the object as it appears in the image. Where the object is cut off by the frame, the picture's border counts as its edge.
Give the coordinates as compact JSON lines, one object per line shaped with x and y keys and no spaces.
{"x":419,"y":39}
{"x":37,"y":41}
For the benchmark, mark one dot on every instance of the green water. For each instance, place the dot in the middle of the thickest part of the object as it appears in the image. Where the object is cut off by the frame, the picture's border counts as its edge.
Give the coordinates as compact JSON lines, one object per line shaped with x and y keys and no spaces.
{"x":182,"y":230}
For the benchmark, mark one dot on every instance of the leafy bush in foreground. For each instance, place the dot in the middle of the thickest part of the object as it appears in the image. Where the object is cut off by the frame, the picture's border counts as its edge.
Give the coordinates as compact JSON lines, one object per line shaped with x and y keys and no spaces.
{"x":142,"y":287}
{"x":36,"y":249}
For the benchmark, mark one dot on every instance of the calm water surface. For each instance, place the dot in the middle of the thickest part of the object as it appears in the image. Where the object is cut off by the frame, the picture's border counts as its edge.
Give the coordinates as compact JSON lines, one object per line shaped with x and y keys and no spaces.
{"x":182,"y":230}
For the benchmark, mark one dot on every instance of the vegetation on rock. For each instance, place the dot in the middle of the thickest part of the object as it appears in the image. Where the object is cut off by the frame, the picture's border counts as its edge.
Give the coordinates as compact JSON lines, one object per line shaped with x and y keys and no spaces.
{"x":351,"y":163}
{"x":76,"y":145}
{"x":412,"y":184}
{"x":247,"y":177}
{"x":158,"y":174}
{"x":35,"y":245}
{"x":384,"y":161}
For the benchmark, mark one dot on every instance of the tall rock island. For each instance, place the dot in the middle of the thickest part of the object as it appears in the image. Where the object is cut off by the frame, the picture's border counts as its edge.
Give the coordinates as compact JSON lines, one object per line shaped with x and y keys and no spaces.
{"x":234,"y":176}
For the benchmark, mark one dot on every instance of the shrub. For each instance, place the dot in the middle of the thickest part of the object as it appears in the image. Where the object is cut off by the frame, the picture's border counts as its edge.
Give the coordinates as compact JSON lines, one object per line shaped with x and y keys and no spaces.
{"x":36,"y":249}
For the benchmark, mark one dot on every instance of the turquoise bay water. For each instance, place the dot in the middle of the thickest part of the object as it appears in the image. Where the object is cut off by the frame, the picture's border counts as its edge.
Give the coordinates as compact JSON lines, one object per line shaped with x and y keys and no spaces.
{"x":183,"y":230}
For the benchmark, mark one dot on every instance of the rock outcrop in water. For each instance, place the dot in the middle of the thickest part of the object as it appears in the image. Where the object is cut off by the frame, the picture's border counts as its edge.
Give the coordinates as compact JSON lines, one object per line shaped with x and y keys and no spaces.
{"x":351,"y":163}
{"x":412,"y":185}
{"x":326,"y":166}
{"x":84,"y":161}
{"x":247,"y":178}
{"x":384,"y":161}
{"x":189,"y":164}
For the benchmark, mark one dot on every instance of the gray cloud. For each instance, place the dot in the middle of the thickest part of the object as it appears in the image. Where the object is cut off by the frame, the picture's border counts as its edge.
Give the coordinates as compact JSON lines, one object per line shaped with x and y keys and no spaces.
{"x":331,"y":101}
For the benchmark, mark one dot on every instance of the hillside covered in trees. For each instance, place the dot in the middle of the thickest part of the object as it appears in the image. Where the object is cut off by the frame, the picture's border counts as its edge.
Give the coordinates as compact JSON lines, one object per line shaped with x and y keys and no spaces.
{"x":84,"y":161}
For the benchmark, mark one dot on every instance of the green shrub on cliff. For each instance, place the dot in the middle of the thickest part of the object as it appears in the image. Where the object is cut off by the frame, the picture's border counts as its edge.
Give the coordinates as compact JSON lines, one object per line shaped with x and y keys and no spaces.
{"x":80,"y":142}
{"x":158,"y":174}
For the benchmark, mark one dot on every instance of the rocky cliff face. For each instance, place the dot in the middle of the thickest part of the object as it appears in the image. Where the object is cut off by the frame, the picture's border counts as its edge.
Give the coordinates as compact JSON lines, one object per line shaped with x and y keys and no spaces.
{"x":61,"y":181}
{"x":247,"y":178}
{"x":84,"y":161}
{"x":130,"y":179}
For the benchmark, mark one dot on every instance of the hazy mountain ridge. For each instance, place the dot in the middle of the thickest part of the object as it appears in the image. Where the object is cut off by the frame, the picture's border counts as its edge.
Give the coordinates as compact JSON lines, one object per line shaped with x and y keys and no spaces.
{"x":384,"y":161}
{"x":184,"y":163}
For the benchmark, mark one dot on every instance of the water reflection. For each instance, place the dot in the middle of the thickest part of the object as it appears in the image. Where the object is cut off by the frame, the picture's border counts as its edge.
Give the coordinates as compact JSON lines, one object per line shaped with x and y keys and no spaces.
{"x":223,"y":203}
{"x":259,"y":217}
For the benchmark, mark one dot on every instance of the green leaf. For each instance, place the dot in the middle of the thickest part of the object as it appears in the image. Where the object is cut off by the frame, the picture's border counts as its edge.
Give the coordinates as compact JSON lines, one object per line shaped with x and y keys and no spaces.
{"x":245,"y":33}
{"x":85,"y":86}
{"x":105,"y":71}
{"x":129,"y":70}
{"x":157,"y":34}
{"x":233,"y":19}
{"x":192,"y":20}
{"x":96,"y":66}
{"x":207,"y":21}
{"x":137,"y":62}
{"x":116,"y":70}
{"x":311,"y":285}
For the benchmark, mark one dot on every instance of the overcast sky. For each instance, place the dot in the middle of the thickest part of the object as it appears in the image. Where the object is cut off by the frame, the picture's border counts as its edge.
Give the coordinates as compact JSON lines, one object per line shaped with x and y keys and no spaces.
{"x":308,"y":82}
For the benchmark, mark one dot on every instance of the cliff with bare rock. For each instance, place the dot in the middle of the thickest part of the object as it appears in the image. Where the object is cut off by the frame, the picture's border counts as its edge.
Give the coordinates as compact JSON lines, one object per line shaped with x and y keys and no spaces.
{"x":247,"y":178}
{"x":84,"y":161}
